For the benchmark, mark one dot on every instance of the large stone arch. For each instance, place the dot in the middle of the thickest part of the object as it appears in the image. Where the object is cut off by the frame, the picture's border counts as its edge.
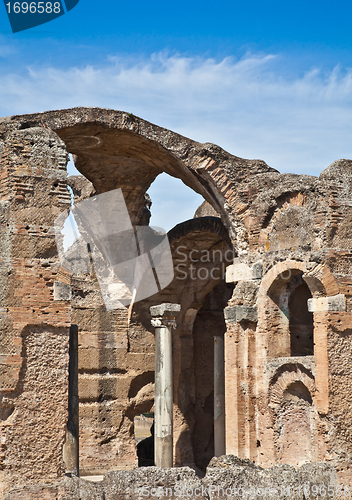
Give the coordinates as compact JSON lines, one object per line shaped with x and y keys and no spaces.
{"x":114,"y":149}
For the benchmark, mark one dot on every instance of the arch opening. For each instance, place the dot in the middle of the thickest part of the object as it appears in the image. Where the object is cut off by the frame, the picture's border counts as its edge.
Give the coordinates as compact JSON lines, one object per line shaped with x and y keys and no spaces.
{"x":297,"y":391}
{"x":301,"y":322}
{"x":291,"y":324}
{"x":114,"y":158}
{"x":107,"y":160}
{"x":296,"y":426}
{"x":172,"y":201}
{"x":109,"y":395}
{"x":208,"y":323}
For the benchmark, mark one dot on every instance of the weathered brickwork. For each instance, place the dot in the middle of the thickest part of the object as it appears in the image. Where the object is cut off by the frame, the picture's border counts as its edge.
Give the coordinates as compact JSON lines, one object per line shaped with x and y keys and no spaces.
{"x":34,"y":327}
{"x":113,"y":369}
{"x":285,"y":310}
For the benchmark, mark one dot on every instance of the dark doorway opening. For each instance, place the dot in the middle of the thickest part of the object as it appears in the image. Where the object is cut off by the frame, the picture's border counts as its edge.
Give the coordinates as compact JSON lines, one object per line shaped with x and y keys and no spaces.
{"x":301,"y":322}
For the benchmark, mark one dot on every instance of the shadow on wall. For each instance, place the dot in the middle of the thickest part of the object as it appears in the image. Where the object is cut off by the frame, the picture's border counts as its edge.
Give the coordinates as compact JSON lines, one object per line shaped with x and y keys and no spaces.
{"x":209,"y":322}
{"x":145,"y":449}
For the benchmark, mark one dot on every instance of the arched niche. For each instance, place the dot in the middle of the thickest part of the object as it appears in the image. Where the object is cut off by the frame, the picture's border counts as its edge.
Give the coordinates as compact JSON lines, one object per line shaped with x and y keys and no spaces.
{"x":300,"y":321}
{"x":295,"y":419}
{"x":282,"y":306}
{"x":283,"y":312}
{"x":291,"y":328}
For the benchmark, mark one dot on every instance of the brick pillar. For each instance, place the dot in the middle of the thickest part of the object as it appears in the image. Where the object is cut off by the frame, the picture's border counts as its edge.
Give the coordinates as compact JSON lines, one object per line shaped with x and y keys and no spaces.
{"x":321,"y":307}
{"x":239,"y":380}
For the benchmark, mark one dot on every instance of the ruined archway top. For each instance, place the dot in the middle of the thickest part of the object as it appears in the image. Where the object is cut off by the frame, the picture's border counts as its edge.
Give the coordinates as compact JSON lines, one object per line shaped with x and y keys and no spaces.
{"x":102,"y":118}
{"x":288,"y":374}
{"x":209,"y":224}
{"x":317,"y":276}
{"x":115,"y":148}
{"x":206,"y":238}
{"x":74,"y":124}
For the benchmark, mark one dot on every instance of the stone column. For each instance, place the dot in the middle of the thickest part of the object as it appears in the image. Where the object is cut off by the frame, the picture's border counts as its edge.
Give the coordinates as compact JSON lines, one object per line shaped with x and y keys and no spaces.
{"x":219,"y":397}
{"x":163,"y":319}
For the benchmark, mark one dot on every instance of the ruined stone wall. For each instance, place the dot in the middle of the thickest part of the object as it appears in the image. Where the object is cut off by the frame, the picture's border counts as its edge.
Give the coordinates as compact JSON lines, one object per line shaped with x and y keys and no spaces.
{"x":34,"y":328}
{"x":226,"y":477}
{"x":115,"y":364}
{"x":287,"y":408}
{"x":116,"y":360}
{"x":286,"y":230}
{"x":116,"y":379}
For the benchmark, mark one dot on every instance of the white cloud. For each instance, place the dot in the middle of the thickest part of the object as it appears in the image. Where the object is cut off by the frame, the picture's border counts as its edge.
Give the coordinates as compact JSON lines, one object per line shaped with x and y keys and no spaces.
{"x":249,"y":106}
{"x":246,"y":106}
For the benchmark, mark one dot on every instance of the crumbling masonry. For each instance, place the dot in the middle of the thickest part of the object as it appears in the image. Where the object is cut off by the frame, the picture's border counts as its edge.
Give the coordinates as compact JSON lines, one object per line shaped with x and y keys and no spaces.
{"x":283,"y":313}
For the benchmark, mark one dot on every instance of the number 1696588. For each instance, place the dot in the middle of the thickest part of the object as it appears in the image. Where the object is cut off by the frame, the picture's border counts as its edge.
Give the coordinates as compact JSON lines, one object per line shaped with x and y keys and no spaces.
{"x":33,"y":7}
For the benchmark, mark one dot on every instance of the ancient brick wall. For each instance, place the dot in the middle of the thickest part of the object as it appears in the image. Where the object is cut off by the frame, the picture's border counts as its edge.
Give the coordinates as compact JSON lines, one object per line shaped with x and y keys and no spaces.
{"x":116,"y":379}
{"x":291,"y":236}
{"x":34,"y":328}
{"x":299,"y":234}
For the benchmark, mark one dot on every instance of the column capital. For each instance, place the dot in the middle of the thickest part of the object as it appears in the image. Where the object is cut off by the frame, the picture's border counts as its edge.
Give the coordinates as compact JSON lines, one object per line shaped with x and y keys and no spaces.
{"x":164,"y":314}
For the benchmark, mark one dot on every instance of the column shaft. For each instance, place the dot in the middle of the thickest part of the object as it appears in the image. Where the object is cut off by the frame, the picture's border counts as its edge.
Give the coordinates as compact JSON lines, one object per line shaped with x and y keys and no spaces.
{"x":163,"y":319}
{"x":163,"y":397}
{"x":71,"y":447}
{"x":219,"y":397}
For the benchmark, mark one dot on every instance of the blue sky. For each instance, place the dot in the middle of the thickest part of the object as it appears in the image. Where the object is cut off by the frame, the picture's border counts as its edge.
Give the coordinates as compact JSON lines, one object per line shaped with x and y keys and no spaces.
{"x":269,"y":80}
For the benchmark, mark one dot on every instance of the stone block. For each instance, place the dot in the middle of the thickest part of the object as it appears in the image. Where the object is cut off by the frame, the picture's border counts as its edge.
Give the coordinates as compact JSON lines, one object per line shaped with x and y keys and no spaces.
{"x":230,"y":314}
{"x":257,"y":270}
{"x":241,"y":313}
{"x":334,"y":303}
{"x":92,"y":359}
{"x":238,"y":271}
{"x":100,"y":387}
{"x":161,"y":309}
